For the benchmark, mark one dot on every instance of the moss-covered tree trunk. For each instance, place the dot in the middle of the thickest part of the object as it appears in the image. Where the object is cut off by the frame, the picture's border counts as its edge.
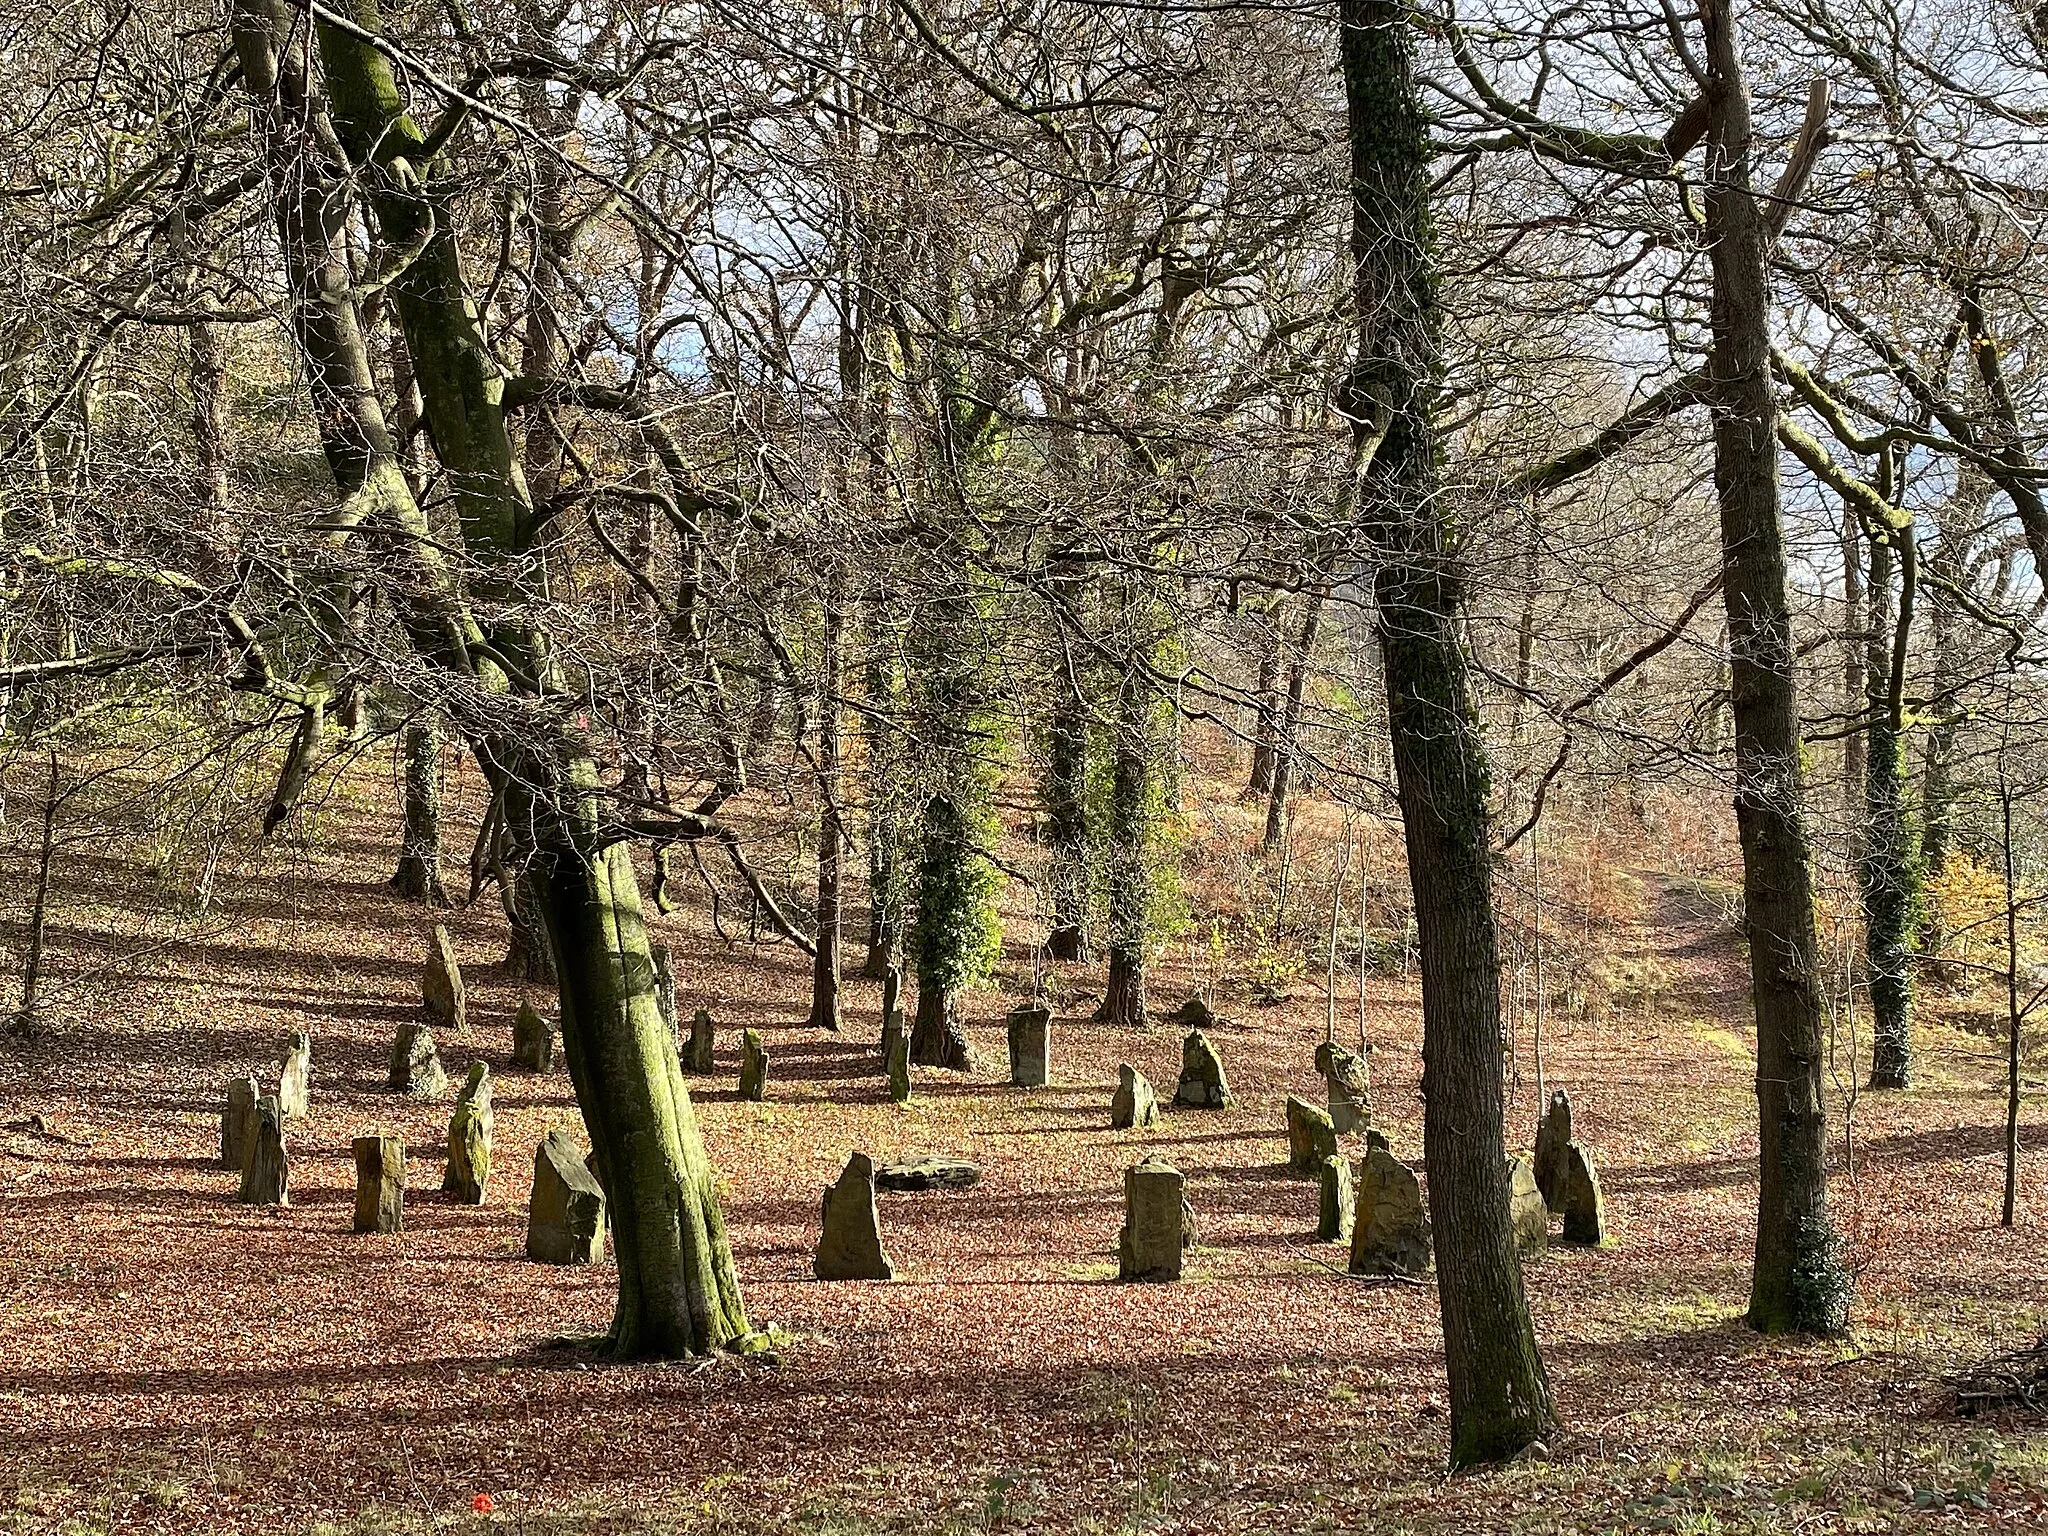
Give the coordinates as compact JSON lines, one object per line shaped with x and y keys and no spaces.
{"x":1888,"y":854}
{"x":418,"y":877}
{"x":1797,"y":1282}
{"x":1065,"y":798}
{"x":1131,"y":851}
{"x":1500,"y":1396}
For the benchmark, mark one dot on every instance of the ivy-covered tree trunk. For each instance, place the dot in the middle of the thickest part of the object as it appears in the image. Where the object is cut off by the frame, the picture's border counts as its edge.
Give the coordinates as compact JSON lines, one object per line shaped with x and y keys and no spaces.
{"x":1888,"y":858}
{"x":953,"y":924}
{"x":1499,"y":1395}
{"x":1798,"y":1285}
{"x":1065,"y":798}
{"x":1131,"y":849}
{"x":418,"y":877}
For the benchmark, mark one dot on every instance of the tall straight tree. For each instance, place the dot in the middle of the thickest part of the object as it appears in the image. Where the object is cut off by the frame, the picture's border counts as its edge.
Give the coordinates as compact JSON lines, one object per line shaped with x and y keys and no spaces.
{"x":1797,"y":1284}
{"x":1500,"y":1395}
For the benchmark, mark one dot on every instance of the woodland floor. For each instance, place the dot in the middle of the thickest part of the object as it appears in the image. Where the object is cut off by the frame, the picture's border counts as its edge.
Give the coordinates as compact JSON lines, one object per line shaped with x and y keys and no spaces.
{"x":171,"y":1361}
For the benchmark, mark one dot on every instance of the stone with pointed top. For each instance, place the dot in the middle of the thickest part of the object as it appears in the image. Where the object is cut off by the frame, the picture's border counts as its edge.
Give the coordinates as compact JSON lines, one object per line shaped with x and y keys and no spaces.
{"x":1202,"y":1083}
{"x":1553,"y":1137}
{"x":850,"y":1239}
{"x":1585,"y":1207}
{"x":1528,"y":1211}
{"x":441,"y":983}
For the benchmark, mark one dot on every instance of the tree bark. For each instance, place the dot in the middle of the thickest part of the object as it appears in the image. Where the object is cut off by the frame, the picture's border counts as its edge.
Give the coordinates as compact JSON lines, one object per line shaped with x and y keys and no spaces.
{"x":831,"y":828}
{"x":1286,"y":745}
{"x":1888,"y":863}
{"x":1266,"y":702}
{"x":1066,"y":825}
{"x":1499,"y":1393}
{"x":1130,"y":855}
{"x":418,"y":877}
{"x":1797,"y":1285}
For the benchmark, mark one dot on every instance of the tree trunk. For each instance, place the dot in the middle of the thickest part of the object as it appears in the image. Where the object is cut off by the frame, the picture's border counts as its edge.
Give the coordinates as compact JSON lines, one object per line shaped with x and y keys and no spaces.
{"x":1500,"y":1396}
{"x":678,"y":1291}
{"x":1130,"y":850}
{"x":1286,"y":744}
{"x":886,"y":875}
{"x":831,"y":828}
{"x":418,"y":877}
{"x":1266,"y":702}
{"x":1888,"y":864}
{"x":1797,"y":1285}
{"x":1066,"y":825}
{"x":1856,"y":633}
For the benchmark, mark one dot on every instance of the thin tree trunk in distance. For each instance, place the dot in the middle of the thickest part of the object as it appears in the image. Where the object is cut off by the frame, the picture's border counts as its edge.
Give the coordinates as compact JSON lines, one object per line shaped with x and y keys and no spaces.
{"x":831,"y":828}
{"x":418,"y":877}
{"x":1286,"y":744}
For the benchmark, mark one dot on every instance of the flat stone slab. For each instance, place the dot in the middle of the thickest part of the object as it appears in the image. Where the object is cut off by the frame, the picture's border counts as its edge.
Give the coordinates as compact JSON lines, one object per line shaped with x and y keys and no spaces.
{"x":928,"y":1173}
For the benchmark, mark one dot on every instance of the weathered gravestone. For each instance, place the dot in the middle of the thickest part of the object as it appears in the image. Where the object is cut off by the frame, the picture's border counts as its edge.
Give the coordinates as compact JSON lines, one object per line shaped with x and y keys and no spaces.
{"x":753,"y":1068}
{"x":238,"y":1122}
{"x":469,"y":1140}
{"x":665,"y":987}
{"x":1030,"y":1031}
{"x":703,"y":1037}
{"x":1310,"y":1136}
{"x":1154,"y":1231}
{"x":534,"y":1035}
{"x":441,"y":983}
{"x":1585,"y":1208}
{"x":896,"y":1055}
{"x":415,"y":1064}
{"x":1335,"y":1202}
{"x":267,"y":1176}
{"x":1349,"y":1083}
{"x":295,"y":1077}
{"x":1135,"y":1104}
{"x":1390,"y":1233}
{"x":1202,"y":1083}
{"x":850,"y":1239}
{"x":1553,"y":1137}
{"x":380,"y":1183}
{"x":565,"y":1222}
{"x":1528,"y":1211}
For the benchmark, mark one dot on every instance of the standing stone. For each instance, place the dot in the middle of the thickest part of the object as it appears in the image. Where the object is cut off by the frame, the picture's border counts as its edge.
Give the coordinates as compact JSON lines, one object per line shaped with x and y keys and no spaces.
{"x":565,"y":1222}
{"x":1154,"y":1232}
{"x":1335,"y":1202}
{"x":415,"y":1064}
{"x":850,"y":1242}
{"x":1553,"y":1137}
{"x":1390,"y":1232}
{"x":1310,"y":1136}
{"x":753,"y":1068}
{"x":533,"y":1040}
{"x":665,"y":987}
{"x":1194,"y":1014}
{"x":238,"y":1123}
{"x":897,"y":1055}
{"x":703,"y":1036}
{"x":469,"y":1140}
{"x":267,"y":1175}
{"x":1585,"y":1208}
{"x":1202,"y":1083}
{"x":295,"y":1077}
{"x":1349,"y":1081}
{"x":380,"y":1183}
{"x":1528,"y":1211}
{"x":1135,"y":1104}
{"x":1030,"y":1030}
{"x":441,"y":983}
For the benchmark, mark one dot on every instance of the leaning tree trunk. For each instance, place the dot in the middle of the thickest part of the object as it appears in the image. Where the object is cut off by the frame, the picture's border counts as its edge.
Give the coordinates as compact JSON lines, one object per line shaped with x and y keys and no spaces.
{"x":678,"y":1290}
{"x":1500,"y":1395}
{"x":418,"y":877}
{"x":1797,"y":1285}
{"x":678,"y":1294}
